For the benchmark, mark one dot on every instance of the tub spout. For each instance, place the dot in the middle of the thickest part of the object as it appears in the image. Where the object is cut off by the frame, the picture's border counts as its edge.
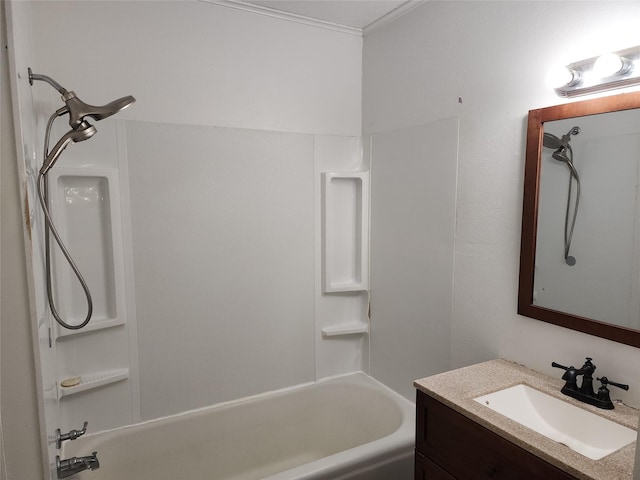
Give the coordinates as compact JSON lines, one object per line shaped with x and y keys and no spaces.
{"x":73,"y":465}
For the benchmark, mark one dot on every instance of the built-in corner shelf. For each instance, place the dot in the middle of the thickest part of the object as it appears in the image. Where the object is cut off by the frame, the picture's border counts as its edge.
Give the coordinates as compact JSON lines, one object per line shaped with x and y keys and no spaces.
{"x":345,"y":225}
{"x":94,"y":380}
{"x":354,"y":328}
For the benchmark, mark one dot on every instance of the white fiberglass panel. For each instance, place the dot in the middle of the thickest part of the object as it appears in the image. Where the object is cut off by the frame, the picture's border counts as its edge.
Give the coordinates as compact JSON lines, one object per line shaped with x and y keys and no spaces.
{"x":223,"y":251}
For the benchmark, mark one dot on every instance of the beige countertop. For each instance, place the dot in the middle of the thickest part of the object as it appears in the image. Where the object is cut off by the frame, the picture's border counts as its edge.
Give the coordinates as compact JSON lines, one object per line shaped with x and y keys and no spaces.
{"x":458,"y":388}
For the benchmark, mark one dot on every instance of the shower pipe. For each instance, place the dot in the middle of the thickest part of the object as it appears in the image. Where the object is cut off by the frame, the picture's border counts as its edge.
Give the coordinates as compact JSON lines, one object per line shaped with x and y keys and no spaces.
{"x":81,"y":130}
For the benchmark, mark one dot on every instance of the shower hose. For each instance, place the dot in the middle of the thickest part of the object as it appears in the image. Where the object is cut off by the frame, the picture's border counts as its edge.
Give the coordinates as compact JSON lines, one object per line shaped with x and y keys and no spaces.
{"x":568,"y":231}
{"x":50,"y":229}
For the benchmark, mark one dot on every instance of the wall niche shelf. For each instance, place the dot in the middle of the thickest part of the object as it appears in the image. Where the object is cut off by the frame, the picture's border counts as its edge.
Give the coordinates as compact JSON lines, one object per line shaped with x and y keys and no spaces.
{"x":345,"y":227}
{"x":85,"y":203}
{"x":93,"y":325}
{"x":94,"y":380}
{"x":353,"y":328}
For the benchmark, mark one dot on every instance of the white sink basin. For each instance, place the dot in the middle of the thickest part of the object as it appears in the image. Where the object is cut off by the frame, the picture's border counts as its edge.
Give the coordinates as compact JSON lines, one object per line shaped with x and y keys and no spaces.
{"x":584,"y":432}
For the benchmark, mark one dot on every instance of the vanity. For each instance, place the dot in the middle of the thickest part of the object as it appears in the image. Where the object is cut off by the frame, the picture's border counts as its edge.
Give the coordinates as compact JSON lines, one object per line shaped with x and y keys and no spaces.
{"x":458,"y":437}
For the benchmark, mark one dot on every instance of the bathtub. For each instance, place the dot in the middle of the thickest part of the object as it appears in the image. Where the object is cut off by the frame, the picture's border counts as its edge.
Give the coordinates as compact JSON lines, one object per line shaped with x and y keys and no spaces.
{"x":349,"y":427}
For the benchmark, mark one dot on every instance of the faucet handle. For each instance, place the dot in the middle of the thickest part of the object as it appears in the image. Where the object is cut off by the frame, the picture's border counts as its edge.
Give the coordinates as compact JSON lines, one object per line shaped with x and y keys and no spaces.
{"x":71,"y":435}
{"x":569,"y":376}
{"x":557,"y":365}
{"x":603,"y":393}
{"x":605,"y":381}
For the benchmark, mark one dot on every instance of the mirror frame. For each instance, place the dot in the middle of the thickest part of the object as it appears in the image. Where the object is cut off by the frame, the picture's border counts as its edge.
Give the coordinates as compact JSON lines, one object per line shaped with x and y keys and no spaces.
{"x":535,"y":131}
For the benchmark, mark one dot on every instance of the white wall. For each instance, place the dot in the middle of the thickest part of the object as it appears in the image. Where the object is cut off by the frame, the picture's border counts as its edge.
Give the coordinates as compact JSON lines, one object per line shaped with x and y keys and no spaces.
{"x":413,"y":195}
{"x":203,"y":64}
{"x":486,"y":62}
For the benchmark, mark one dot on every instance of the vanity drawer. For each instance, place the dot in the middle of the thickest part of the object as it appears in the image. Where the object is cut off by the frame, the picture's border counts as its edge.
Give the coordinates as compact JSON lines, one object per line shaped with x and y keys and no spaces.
{"x":466,"y":450}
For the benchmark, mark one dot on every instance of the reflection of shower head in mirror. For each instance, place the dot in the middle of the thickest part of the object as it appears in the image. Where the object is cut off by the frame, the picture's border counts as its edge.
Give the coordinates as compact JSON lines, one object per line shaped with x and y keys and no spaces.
{"x":551,"y":141}
{"x":561,"y":155}
{"x":564,"y":153}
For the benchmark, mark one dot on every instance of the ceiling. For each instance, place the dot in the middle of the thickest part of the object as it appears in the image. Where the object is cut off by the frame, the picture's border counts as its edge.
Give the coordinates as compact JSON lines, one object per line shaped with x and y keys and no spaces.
{"x":352,"y":13}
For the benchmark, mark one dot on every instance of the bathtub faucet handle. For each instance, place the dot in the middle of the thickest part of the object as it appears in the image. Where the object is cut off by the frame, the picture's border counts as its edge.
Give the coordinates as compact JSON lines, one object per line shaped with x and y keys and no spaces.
{"x":72,"y":435}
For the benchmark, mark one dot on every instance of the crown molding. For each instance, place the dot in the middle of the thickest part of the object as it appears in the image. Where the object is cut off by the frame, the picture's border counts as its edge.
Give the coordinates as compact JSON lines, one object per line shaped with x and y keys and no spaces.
{"x":290,"y":17}
{"x":392,"y":15}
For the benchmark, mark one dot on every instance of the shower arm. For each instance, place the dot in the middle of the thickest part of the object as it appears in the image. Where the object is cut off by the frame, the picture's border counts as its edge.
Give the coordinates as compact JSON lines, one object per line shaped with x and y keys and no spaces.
{"x":49,"y":80}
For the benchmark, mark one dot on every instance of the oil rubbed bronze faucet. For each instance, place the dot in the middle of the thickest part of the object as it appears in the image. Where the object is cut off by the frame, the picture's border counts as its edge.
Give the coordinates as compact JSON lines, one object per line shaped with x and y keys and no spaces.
{"x":585,"y":392}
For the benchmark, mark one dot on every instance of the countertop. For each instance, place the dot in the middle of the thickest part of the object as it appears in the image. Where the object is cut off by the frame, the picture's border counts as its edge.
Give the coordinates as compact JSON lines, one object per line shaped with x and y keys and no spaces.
{"x":458,"y":388}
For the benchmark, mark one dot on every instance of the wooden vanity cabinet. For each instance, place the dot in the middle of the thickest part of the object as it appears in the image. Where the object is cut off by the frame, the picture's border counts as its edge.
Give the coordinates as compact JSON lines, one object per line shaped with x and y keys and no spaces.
{"x":451,"y":446}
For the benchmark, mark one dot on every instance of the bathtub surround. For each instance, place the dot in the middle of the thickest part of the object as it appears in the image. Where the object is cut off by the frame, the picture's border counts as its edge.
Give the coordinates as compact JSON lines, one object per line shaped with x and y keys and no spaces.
{"x":231,"y":69}
{"x":260,"y":115}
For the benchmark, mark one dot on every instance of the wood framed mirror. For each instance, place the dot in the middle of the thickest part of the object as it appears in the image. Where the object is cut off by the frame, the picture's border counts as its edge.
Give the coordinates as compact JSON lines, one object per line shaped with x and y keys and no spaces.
{"x":605,"y":275}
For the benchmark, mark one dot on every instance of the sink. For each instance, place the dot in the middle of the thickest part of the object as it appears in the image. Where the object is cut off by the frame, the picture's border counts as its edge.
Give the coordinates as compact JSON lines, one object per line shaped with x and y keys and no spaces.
{"x":584,"y":432}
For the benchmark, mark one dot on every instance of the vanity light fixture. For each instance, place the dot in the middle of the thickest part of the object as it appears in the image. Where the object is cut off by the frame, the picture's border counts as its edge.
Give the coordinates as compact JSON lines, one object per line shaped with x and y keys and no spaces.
{"x":598,"y":74}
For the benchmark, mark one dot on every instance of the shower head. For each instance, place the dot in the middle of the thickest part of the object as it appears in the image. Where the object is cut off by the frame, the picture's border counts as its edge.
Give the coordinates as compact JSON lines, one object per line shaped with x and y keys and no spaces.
{"x":561,"y":155}
{"x":76,"y":108}
{"x":551,"y":141}
{"x":83,"y":132}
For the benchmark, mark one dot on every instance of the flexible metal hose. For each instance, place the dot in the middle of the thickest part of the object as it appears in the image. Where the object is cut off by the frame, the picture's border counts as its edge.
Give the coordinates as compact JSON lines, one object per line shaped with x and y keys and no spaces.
{"x":568,"y":231}
{"x":50,"y":229}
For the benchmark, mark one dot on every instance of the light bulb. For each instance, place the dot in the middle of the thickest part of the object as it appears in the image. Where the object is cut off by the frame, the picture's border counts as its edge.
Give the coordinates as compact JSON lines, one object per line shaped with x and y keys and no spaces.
{"x":562,"y":76}
{"x":607,"y":65}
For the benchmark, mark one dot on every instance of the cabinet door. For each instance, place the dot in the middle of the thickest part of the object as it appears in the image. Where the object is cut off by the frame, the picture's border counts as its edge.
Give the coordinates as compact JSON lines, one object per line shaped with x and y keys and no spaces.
{"x":468,"y":451}
{"x":427,"y":470}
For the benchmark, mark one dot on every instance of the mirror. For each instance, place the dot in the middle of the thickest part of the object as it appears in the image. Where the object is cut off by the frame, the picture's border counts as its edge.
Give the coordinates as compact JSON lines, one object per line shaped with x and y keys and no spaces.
{"x":580,"y":246}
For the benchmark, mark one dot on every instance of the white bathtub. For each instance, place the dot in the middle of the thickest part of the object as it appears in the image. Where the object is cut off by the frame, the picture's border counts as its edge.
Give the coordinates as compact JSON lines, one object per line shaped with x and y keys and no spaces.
{"x":350,"y":427}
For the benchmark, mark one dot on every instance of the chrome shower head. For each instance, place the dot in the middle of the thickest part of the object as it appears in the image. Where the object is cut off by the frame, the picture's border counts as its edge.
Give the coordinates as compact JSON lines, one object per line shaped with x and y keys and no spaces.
{"x":549,"y":140}
{"x":79,"y":110}
{"x":83,"y":132}
{"x":561,"y":155}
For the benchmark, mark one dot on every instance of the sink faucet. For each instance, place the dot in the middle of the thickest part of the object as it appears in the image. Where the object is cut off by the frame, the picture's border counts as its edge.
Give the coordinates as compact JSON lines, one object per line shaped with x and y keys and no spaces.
{"x":585,"y":392}
{"x":73,"y":465}
{"x":587,"y":377}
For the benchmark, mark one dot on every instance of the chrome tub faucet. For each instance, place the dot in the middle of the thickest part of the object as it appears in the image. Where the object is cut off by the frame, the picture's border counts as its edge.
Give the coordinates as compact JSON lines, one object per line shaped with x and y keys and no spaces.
{"x":73,"y":465}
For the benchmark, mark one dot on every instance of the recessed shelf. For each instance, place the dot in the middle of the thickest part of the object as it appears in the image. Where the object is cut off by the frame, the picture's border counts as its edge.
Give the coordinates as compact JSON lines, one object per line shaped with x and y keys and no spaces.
{"x":353,"y":328}
{"x":85,"y":203}
{"x":345,"y":224}
{"x":94,"y":380}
